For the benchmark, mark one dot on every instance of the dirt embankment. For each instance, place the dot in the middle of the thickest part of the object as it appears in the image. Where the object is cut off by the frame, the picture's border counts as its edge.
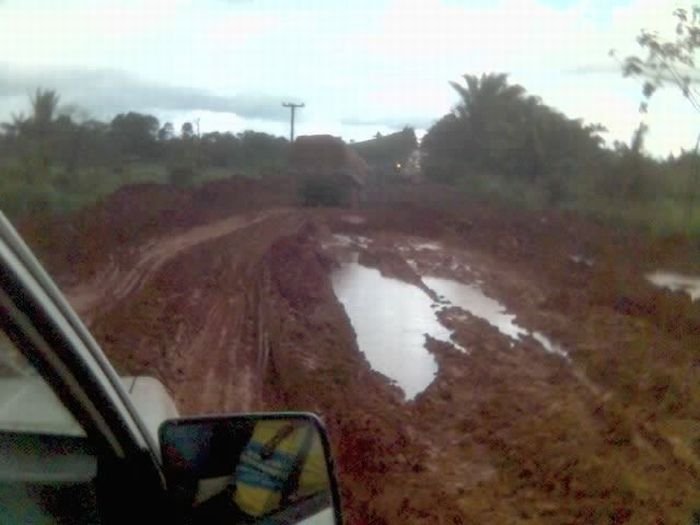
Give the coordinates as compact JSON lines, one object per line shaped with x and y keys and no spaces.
{"x":226,"y":297}
{"x":78,"y":246}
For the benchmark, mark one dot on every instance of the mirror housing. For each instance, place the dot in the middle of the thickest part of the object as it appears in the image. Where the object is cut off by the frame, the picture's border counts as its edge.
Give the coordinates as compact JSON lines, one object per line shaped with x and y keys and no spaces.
{"x":263,"y":467}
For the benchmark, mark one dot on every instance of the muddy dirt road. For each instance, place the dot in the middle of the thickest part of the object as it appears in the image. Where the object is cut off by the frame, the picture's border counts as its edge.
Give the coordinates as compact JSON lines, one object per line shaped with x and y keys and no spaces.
{"x":113,"y":284}
{"x":471,"y":365}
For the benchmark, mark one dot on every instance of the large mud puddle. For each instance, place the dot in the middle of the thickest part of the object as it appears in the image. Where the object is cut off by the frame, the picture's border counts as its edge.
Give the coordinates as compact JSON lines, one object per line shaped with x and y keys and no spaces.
{"x":391,"y":319}
{"x":677,"y":283}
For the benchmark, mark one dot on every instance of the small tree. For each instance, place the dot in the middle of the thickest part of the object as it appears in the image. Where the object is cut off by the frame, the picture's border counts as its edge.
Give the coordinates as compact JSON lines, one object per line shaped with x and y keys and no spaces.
{"x":187,"y":130}
{"x":135,"y":135}
{"x":15,"y":129}
{"x":670,"y":61}
{"x":31,"y":136}
{"x":44,"y":104}
{"x":166,"y":133}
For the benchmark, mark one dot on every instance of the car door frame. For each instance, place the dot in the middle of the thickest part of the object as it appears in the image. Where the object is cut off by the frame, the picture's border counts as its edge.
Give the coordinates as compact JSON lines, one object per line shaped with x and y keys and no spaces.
{"x":45,"y":328}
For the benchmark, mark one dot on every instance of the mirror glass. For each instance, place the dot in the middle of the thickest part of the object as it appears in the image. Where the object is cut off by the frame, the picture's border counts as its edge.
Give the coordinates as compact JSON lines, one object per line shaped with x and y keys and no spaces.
{"x":249,"y":469}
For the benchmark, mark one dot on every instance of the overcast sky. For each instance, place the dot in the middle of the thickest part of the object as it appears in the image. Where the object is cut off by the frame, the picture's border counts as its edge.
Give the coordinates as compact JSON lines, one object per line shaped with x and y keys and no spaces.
{"x":360,"y":66}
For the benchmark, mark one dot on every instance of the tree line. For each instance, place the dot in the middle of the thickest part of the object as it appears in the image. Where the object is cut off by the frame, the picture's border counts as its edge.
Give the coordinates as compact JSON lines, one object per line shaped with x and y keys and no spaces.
{"x":52,"y":157}
{"x":52,"y":135}
{"x":498,"y":142}
{"x":501,"y":141}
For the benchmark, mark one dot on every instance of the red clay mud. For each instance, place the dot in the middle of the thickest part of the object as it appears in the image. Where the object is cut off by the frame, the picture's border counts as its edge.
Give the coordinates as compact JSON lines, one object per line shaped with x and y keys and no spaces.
{"x":224,"y":293}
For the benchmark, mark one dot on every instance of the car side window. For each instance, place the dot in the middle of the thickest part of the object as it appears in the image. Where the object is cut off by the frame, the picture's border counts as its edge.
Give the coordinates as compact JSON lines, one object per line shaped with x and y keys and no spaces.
{"x":48,"y":469}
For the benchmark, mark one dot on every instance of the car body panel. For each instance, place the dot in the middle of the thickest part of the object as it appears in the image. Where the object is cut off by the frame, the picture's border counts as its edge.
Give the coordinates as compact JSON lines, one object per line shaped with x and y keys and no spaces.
{"x":29,"y":405}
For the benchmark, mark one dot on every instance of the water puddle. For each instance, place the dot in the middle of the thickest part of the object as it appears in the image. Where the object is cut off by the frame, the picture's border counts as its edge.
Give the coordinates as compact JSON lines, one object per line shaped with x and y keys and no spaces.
{"x":582,"y":260}
{"x":341,"y":240}
{"x":472,"y":299}
{"x":415,"y":245}
{"x":391,"y":319}
{"x":428,"y":246}
{"x":349,"y":241}
{"x":676,"y":283}
{"x":345,"y":247}
{"x":353,"y":219}
{"x":549,"y":345}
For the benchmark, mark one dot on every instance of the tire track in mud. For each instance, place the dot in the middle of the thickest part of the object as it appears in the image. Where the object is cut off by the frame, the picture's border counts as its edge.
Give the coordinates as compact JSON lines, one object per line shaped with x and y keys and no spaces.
{"x":116,"y":282}
{"x":189,"y":317}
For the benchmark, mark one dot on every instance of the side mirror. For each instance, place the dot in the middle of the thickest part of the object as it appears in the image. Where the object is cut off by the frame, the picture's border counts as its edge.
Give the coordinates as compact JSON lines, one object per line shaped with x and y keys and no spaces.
{"x":251,"y":468}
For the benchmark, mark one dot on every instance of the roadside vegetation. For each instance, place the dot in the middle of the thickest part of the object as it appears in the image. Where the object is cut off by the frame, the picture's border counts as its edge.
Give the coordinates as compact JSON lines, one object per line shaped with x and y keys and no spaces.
{"x":54,"y":161}
{"x":502,"y":144}
{"x":499,"y":144}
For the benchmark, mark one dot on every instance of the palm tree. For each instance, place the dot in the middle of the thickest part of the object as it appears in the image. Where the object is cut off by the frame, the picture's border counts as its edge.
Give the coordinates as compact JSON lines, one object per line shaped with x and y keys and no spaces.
{"x":16,"y":127}
{"x":41,"y":123}
{"x":491,"y":113}
{"x":44,"y":104}
{"x":490,"y":90}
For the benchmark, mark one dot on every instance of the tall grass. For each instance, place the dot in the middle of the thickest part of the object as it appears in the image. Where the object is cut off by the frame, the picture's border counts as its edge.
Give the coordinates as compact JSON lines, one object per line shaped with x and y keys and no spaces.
{"x":659,"y":201}
{"x":27,"y":189}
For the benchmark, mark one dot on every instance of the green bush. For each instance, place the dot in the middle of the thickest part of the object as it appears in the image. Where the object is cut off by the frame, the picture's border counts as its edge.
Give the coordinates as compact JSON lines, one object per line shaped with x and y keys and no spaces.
{"x":181,"y":175}
{"x":502,"y":189}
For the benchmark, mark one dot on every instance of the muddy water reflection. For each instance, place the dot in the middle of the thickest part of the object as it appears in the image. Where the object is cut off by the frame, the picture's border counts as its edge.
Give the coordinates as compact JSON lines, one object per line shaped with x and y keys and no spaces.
{"x":390,"y":318}
{"x":676,"y":282}
{"x":472,"y":299}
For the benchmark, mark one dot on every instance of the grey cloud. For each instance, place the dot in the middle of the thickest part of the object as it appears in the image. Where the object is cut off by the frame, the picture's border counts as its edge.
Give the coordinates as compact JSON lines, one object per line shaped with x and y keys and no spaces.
{"x":596,"y":69}
{"x":106,"y":92}
{"x":391,"y":122}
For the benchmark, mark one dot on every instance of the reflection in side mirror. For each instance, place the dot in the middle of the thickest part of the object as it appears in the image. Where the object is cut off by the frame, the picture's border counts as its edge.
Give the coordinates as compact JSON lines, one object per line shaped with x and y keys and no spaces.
{"x":257,"y":468}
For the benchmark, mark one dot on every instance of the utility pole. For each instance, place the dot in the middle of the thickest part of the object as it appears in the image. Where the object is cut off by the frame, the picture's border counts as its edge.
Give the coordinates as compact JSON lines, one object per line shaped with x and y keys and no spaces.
{"x":197,"y":143}
{"x":293,"y":107}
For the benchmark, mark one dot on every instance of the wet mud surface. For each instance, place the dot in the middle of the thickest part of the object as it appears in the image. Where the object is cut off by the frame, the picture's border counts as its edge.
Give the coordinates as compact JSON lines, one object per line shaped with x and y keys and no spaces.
{"x":552,"y":381}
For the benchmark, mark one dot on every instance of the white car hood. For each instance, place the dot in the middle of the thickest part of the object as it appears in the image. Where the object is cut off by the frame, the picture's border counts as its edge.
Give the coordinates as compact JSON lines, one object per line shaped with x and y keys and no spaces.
{"x":27,"y":404}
